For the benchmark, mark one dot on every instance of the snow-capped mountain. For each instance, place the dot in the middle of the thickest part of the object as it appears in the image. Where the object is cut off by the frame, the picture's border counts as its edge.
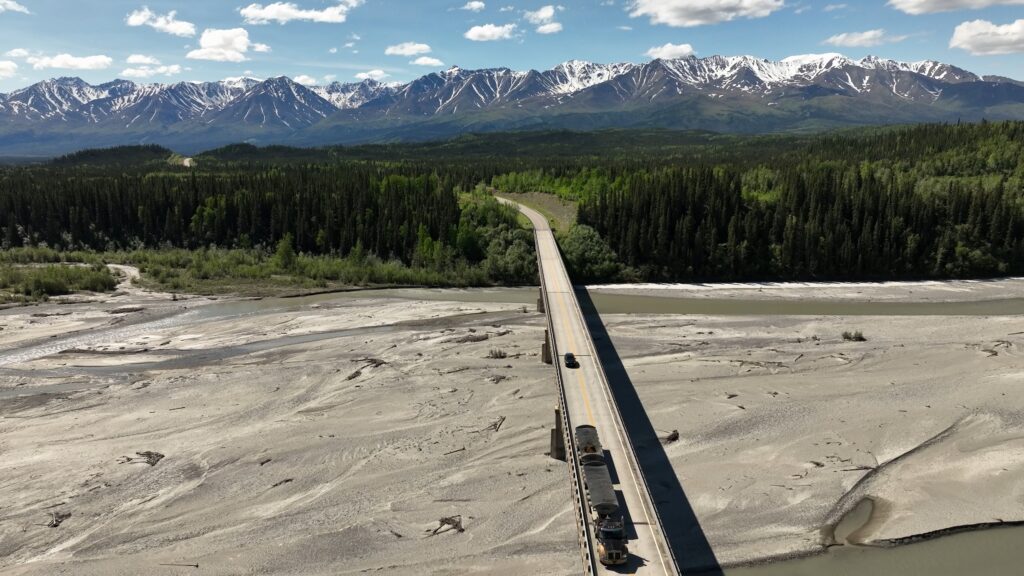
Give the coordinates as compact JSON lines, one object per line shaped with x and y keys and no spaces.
{"x":727,"y":93}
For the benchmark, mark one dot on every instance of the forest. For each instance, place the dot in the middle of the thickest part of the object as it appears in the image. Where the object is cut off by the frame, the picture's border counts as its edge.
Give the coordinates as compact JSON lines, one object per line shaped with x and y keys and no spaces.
{"x":930,"y":201}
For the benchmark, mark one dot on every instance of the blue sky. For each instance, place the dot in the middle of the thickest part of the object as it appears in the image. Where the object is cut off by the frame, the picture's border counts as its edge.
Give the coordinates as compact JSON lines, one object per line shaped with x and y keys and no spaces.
{"x":323,"y":40}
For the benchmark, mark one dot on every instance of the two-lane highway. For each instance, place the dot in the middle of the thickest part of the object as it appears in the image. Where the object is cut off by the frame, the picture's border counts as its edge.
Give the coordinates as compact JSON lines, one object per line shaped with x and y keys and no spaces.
{"x":589,"y":400}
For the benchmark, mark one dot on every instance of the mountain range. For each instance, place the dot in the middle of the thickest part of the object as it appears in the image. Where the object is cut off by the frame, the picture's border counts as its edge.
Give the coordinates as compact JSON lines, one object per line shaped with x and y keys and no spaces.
{"x":718,"y":93}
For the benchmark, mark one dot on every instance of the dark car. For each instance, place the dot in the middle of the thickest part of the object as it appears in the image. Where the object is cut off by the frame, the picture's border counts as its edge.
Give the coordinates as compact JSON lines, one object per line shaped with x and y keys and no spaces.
{"x":570,"y":360}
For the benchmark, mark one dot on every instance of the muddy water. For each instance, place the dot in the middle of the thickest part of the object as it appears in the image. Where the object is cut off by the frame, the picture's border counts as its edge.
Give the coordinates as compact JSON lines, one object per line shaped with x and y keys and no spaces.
{"x":992,"y":552}
{"x":611,"y":303}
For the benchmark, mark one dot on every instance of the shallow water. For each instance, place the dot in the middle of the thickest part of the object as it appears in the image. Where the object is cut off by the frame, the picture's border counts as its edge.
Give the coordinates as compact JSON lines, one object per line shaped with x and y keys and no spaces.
{"x":991,"y":552}
{"x":611,"y":303}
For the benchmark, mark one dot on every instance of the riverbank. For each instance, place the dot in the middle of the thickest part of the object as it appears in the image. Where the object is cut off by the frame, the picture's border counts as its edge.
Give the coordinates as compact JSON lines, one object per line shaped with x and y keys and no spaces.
{"x":279,"y":437}
{"x":785,"y":426}
{"x":298,"y":431}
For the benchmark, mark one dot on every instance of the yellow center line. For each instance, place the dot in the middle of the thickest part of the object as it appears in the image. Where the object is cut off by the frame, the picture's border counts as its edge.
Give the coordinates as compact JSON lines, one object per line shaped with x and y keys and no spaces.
{"x":571,"y":335}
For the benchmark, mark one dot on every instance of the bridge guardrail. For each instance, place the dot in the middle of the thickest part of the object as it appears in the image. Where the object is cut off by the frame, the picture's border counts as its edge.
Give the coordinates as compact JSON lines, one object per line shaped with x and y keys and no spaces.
{"x":584,"y":532}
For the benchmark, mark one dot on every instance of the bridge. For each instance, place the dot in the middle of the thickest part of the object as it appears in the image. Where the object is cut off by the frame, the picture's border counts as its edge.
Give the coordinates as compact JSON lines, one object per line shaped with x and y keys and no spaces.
{"x":585,"y":398}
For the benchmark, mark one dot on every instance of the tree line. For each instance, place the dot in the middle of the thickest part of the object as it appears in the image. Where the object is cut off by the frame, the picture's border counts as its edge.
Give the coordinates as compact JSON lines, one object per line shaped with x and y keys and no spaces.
{"x":924,"y":202}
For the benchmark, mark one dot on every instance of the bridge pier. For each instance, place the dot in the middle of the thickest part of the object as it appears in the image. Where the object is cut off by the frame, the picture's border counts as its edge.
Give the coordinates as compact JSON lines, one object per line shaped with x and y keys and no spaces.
{"x":558,"y":438}
{"x":540,"y":301}
{"x":545,"y":349}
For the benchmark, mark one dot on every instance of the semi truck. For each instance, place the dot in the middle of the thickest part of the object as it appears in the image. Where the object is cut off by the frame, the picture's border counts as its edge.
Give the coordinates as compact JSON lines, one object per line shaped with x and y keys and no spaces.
{"x":602,"y":500}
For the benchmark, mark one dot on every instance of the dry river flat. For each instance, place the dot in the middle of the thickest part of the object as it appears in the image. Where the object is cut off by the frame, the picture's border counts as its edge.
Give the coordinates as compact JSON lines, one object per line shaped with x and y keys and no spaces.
{"x":330,"y":434}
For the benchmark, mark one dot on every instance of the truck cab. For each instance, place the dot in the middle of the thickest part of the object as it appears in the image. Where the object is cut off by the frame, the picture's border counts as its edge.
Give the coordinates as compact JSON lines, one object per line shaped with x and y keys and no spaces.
{"x":611,"y":543}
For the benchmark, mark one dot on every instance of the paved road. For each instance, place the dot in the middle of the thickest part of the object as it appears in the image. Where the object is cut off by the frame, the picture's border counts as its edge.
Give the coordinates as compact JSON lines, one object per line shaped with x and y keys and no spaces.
{"x":589,"y":401}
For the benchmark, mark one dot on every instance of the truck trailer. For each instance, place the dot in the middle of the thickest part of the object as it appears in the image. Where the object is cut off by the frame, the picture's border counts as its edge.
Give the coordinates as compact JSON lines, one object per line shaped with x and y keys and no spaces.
{"x":602,"y":500}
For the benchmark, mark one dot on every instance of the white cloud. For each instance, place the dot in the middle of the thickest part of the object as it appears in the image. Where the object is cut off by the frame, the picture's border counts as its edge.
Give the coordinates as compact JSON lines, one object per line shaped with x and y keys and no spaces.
{"x":542,"y":15}
{"x":834,"y":7}
{"x":17,"y":53}
{"x":225,"y":45}
{"x":671,"y":51}
{"x":377,"y":75}
{"x":426,"y":61}
{"x":150,"y":71}
{"x":407,"y":49}
{"x":930,"y":6}
{"x":544,"y":19}
{"x":284,"y":12}
{"x":69,"y":62}
{"x":330,"y":77}
{"x":506,"y":9}
{"x":864,"y":39}
{"x":167,"y":23}
{"x":143,"y":60}
{"x":474,"y":6}
{"x":983,"y":38}
{"x":332,"y":50}
{"x":305,"y":80}
{"x":8,"y":69}
{"x":12,"y":6}
{"x":687,"y":13}
{"x":490,"y":32}
{"x":625,"y":28}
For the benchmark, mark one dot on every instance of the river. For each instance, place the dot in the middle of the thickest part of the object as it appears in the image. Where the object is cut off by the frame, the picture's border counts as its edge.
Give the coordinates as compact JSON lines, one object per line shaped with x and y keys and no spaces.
{"x":995,"y":551}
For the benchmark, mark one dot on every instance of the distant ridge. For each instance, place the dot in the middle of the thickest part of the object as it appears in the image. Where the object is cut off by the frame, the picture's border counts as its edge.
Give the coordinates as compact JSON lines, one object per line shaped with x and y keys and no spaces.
{"x":725,"y":94}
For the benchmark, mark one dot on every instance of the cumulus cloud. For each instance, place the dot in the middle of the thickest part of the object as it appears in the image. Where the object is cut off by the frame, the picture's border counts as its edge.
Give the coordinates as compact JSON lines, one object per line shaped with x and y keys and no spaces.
{"x":229,"y":45}
{"x":930,"y":6}
{"x":670,"y":51}
{"x":377,"y":75}
{"x":474,"y":6}
{"x":864,"y":39}
{"x":167,"y":23}
{"x":8,"y":69}
{"x":687,"y":13}
{"x":983,"y":38}
{"x":305,"y":80}
{"x":284,"y":12}
{"x":69,"y":62}
{"x":12,"y":6}
{"x":143,"y":60}
{"x":426,"y":61}
{"x":407,"y":49}
{"x":17,"y":53}
{"x":544,"y":19}
{"x":542,"y":15}
{"x":490,"y":32}
{"x":150,"y":71}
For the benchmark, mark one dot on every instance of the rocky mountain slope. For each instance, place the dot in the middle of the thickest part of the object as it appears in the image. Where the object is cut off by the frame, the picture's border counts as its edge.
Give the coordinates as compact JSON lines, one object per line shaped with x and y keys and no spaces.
{"x":730,"y":94}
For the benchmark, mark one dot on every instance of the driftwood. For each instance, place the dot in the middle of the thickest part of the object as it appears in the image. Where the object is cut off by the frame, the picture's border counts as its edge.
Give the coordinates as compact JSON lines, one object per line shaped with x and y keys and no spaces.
{"x":57,"y":518}
{"x":282,"y":482}
{"x":672,"y":437}
{"x":494,"y":427}
{"x":147,"y":457}
{"x":463,"y":449}
{"x":497,"y":424}
{"x":181,"y":565}
{"x":447,"y":524}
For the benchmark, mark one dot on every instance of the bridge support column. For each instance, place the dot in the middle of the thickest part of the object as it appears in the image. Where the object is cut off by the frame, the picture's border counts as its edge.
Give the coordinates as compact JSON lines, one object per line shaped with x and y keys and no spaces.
{"x":540,"y":301}
{"x":545,"y":349}
{"x":558,"y":438}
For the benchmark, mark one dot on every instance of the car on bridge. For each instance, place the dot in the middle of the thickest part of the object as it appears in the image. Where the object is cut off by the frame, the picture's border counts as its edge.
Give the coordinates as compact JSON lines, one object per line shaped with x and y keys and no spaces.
{"x":570,"y":360}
